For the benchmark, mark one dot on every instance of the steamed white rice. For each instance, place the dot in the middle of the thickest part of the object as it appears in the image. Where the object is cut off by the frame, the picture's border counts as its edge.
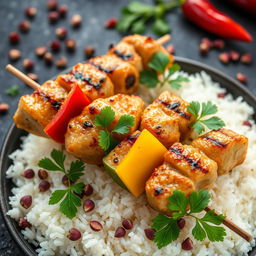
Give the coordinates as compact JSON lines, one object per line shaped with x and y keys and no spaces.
{"x":234,"y":194}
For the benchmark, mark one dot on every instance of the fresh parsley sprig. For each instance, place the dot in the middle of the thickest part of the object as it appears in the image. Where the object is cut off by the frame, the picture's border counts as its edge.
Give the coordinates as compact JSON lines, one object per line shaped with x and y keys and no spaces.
{"x":12,"y":90}
{"x":200,"y":112}
{"x":167,"y":229}
{"x":158,"y":64}
{"x":71,"y":201}
{"x":104,"y":119}
{"x":135,"y":15}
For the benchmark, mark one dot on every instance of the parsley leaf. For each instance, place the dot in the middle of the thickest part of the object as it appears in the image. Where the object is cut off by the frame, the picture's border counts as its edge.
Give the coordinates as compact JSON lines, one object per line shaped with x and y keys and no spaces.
{"x":138,"y":27}
{"x":167,"y":230}
{"x":178,"y":202}
{"x":76,"y":170}
{"x":48,"y":164}
{"x":159,"y":61}
{"x":200,"y":112}
{"x":213,"y":218}
{"x":198,"y":200}
{"x":160,"y":27}
{"x":59,"y":157}
{"x":56,"y":196}
{"x":214,"y":233}
{"x":106,"y":139}
{"x":13,"y":90}
{"x":149,"y":77}
{"x":176,"y":83}
{"x":198,"y":232}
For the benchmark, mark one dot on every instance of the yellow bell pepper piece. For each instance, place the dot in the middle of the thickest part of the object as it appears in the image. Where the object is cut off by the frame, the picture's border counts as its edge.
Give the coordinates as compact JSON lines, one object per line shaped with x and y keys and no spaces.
{"x":145,"y":155}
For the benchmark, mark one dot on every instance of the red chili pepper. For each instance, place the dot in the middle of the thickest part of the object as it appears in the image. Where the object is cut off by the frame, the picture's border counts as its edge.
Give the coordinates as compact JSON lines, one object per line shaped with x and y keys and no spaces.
{"x":73,"y":106}
{"x":247,"y":5}
{"x":206,"y":16}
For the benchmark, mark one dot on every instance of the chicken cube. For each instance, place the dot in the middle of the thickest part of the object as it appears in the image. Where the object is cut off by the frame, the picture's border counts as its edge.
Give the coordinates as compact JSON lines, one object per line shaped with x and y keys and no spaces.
{"x":160,"y":186}
{"x":81,"y":139}
{"x":227,"y":148}
{"x":35,"y":111}
{"x":192,"y":163}
{"x":93,"y":82}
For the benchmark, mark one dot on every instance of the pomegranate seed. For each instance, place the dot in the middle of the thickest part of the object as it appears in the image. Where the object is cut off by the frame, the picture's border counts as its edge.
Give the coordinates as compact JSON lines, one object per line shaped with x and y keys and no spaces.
{"x":127,"y":224}
{"x":74,"y":234}
{"x":120,"y":232}
{"x":63,"y":9}
{"x":181,"y":223}
{"x":24,"y":26}
{"x":61,"y":62}
{"x":89,"y":51}
{"x":95,"y":225}
{"x":52,"y":4}
{"x":204,"y":48}
{"x":53,"y":17}
{"x":241,"y":78}
{"x":218,"y":44}
{"x":224,"y":57}
{"x":14,"y":37}
{"x":61,"y":32}
{"x":44,"y":186}
{"x":247,"y":123}
{"x":88,"y":205}
{"x":207,"y":41}
{"x":48,"y":58}
{"x":111,"y":23}
{"x":4,"y":107}
{"x":221,"y":95}
{"x":14,"y":54}
{"x":246,"y":58}
{"x":23,"y":223}
{"x":70,"y":45}
{"x":150,"y":233}
{"x":28,"y":64}
{"x":55,"y":46}
{"x":33,"y":76}
{"x":88,"y":190}
{"x":28,"y":174}
{"x":31,"y":12}
{"x":234,"y":56}
{"x":76,"y":21}
{"x":170,"y":49}
{"x":42,"y":174}
{"x":40,"y":51}
{"x":26,"y":201}
{"x":187,"y":244}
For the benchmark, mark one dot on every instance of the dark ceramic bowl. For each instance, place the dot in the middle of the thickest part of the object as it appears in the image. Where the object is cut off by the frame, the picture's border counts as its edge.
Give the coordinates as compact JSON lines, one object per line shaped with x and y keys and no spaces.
{"x":12,"y":142}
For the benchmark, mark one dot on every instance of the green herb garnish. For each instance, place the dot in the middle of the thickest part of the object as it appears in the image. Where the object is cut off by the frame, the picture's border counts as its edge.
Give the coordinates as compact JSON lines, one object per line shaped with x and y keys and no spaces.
{"x":135,"y":15}
{"x":104,"y":119}
{"x":13,"y":90}
{"x":158,"y":65}
{"x":71,"y":201}
{"x":200,"y":112}
{"x":167,"y":229}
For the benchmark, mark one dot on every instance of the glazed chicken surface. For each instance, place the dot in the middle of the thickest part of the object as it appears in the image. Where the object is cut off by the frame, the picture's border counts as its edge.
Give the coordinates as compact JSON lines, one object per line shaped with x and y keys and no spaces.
{"x":81,"y":139}
{"x":168,"y":119}
{"x":227,"y":148}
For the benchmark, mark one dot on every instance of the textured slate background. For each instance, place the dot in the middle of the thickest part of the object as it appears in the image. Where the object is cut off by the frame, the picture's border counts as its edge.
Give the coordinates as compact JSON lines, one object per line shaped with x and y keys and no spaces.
{"x":186,"y":38}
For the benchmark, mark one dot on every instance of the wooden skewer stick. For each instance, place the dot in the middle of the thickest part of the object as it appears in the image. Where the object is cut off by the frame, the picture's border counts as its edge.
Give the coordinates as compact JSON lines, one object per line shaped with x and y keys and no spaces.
{"x":164,"y":39}
{"x":27,"y":80}
{"x":228,"y":223}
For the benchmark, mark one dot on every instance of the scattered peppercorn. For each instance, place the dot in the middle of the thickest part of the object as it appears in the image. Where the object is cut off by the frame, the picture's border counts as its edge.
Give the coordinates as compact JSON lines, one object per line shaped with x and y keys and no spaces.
{"x":48,"y":58}
{"x":26,"y":201}
{"x":246,"y":58}
{"x":42,"y":174}
{"x":28,"y":173}
{"x":207,"y":41}
{"x":187,"y":244}
{"x":44,"y":186}
{"x":224,"y":57}
{"x":33,"y":76}
{"x":95,"y":225}
{"x":170,"y":49}
{"x":4,"y":107}
{"x":14,"y":54}
{"x":52,"y":4}
{"x":14,"y":37}
{"x":55,"y":46}
{"x":40,"y":51}
{"x":74,"y":234}
{"x":63,"y":9}
{"x":76,"y":21}
{"x":127,"y":224}
{"x":150,"y":233}
{"x":70,"y":45}
{"x":61,"y":32}
{"x":23,"y":223}
{"x":218,"y":44}
{"x":234,"y":56}
{"x":88,"y":190}
{"x":61,"y":62}
{"x":204,"y":48}
{"x":88,"y":205}
{"x":111,"y":23}
{"x":31,"y":12}
{"x":65,"y":181}
{"x":247,"y":123}
{"x":28,"y":64}
{"x":24,"y":26}
{"x":241,"y":78}
{"x":120,"y":232}
{"x":181,"y":223}
{"x":89,"y":51}
{"x":53,"y":17}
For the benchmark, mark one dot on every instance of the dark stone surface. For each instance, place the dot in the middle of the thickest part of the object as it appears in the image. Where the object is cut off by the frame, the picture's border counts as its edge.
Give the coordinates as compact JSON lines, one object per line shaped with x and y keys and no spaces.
{"x":186,"y":38}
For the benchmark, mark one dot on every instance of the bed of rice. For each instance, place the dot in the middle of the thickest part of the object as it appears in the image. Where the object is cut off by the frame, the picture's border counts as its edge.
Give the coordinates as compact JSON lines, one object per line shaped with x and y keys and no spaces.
{"x":234,"y":194}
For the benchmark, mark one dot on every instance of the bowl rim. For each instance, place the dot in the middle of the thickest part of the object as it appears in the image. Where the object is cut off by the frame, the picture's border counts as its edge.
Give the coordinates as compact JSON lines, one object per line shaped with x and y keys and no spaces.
{"x":24,"y":245}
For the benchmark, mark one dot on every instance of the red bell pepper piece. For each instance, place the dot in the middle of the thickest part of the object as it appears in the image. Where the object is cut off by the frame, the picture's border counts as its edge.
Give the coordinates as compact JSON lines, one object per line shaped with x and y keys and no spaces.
{"x":206,"y":16}
{"x":72,"y":106}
